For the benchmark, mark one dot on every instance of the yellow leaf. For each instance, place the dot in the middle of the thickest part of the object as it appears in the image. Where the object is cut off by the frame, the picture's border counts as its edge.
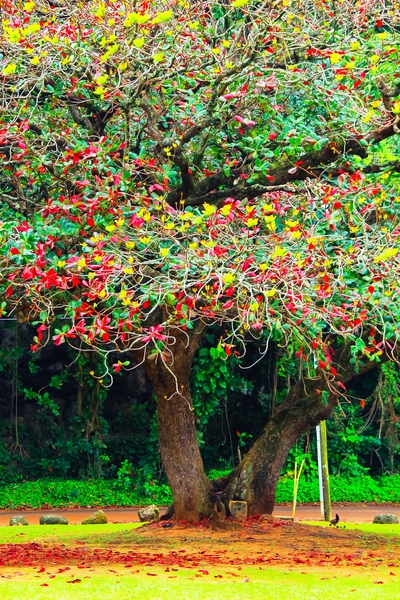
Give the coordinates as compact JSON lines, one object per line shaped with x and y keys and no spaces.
{"x":99,"y":91}
{"x":386,"y":254}
{"x":29,"y":6}
{"x":35,"y":60}
{"x":139,"y":42}
{"x":229,"y":278}
{"x":162,"y":17}
{"x":158,"y":57}
{"x":164,"y":251}
{"x":9,"y":69}
{"x":278,"y":252}
{"x":335,"y":57}
{"x":101,"y":10}
{"x":209,"y":209}
{"x":239,"y":3}
{"x":101,"y":79}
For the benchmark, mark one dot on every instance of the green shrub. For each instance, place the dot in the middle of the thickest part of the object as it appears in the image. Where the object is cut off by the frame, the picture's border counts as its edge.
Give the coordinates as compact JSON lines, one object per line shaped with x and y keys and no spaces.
{"x":55,"y":493}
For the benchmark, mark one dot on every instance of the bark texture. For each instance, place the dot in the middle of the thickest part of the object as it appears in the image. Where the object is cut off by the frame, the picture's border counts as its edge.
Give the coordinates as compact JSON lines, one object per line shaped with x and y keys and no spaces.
{"x":179,"y":447}
{"x":256,"y":477}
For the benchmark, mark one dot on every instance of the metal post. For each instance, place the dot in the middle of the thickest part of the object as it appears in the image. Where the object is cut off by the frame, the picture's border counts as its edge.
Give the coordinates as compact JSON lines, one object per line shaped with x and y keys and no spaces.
{"x":319,"y":461}
{"x":323,"y":472}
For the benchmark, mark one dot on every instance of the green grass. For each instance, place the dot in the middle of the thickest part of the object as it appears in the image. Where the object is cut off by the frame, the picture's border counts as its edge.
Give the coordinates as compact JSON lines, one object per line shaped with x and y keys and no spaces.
{"x":64,"y":533}
{"x":364,"y":527}
{"x":266,"y":584}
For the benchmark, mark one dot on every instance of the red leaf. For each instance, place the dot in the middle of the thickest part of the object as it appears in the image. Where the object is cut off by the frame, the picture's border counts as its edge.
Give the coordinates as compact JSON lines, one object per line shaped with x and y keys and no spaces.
{"x":74,"y":581}
{"x":152,"y":574}
{"x":42,"y":570}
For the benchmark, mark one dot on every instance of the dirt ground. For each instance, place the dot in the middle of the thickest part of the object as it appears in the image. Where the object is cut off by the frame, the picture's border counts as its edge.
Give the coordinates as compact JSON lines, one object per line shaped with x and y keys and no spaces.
{"x":357,"y":513}
{"x":262,"y":544}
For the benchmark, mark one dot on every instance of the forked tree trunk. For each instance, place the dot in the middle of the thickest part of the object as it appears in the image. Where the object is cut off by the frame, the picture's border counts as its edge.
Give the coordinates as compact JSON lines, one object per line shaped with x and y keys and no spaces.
{"x":180,"y":453}
{"x":256,"y":477}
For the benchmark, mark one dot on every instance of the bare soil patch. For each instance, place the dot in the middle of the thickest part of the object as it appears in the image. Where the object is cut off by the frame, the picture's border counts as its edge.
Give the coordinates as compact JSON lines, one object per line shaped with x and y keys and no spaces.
{"x":279,"y":543}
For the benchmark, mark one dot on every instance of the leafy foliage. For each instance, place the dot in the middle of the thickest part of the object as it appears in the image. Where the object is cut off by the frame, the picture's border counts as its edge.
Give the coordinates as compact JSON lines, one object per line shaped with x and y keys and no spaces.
{"x":141,"y":135}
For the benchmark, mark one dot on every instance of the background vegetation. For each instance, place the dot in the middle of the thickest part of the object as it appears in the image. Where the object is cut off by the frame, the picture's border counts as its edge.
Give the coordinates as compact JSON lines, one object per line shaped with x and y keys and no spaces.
{"x":60,"y":425}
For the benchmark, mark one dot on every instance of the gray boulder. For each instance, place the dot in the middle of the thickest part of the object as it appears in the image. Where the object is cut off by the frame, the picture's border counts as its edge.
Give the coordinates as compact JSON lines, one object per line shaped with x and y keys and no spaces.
{"x":98,"y":518}
{"x":149,"y":513}
{"x":386,"y":519}
{"x":53,"y":520}
{"x":18,"y":520}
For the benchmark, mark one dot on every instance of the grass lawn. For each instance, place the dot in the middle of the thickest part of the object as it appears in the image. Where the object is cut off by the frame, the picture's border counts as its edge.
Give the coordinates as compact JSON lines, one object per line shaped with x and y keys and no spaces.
{"x":250,"y":583}
{"x":293,"y":562}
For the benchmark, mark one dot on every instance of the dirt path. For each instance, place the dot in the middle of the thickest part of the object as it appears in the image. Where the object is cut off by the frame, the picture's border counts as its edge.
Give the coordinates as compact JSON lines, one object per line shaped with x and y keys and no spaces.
{"x":356,"y":513}
{"x":257,"y":543}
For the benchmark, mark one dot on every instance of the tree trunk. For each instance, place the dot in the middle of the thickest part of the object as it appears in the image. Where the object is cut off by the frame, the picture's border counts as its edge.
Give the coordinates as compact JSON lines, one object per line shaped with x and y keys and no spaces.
{"x":179,"y":447}
{"x":256,"y":477}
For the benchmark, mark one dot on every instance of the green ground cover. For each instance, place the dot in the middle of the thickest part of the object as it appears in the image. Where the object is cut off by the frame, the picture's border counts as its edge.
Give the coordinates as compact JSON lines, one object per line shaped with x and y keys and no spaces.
{"x":253,"y":583}
{"x":102,"y":492}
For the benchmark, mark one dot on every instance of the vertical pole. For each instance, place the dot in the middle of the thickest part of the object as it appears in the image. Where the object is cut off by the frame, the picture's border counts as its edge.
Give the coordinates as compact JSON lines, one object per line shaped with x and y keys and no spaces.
{"x":327,"y":510}
{"x":319,"y":461}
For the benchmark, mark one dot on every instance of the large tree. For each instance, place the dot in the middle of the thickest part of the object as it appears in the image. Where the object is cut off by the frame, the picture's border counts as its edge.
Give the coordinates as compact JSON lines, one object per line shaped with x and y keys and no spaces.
{"x":170,"y":165}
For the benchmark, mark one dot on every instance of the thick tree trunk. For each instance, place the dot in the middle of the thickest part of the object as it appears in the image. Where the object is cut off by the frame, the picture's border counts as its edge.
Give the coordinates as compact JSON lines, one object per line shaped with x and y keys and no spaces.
{"x":256,"y":477}
{"x":179,"y":447}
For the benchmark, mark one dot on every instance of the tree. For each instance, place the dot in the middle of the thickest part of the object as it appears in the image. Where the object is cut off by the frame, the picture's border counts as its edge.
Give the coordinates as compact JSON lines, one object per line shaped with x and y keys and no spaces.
{"x":166,"y":166}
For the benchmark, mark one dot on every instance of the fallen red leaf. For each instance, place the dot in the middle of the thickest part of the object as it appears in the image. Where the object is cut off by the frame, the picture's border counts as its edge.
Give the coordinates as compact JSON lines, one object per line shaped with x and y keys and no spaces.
{"x":74,"y":581}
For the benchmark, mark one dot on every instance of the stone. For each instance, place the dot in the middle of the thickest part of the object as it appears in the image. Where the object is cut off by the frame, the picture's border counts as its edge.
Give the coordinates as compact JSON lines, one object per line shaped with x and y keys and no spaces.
{"x":18,"y":520}
{"x":149,"y":513}
{"x":53,"y":520}
{"x":268,"y":518}
{"x":386,"y":519}
{"x":98,"y":518}
{"x":238,"y":509}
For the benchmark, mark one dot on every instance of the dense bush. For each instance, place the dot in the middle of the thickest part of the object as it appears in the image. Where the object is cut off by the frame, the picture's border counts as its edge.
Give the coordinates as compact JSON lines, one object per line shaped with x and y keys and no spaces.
{"x":98,"y":492}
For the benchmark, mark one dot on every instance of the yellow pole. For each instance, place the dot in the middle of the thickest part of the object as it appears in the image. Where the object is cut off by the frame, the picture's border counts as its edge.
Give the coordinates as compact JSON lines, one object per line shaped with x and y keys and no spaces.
{"x":325,"y":473}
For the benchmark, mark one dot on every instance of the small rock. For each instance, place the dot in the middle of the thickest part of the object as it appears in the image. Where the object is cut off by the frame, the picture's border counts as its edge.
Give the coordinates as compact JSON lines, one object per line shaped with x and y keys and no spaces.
{"x":386,"y":519}
{"x":18,"y":520}
{"x":268,"y":518}
{"x":149,"y":513}
{"x":238,"y":509}
{"x":53,"y":520}
{"x":98,"y":518}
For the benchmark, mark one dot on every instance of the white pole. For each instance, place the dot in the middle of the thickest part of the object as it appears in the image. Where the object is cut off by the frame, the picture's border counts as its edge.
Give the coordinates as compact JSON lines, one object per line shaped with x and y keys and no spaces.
{"x":321,"y":486}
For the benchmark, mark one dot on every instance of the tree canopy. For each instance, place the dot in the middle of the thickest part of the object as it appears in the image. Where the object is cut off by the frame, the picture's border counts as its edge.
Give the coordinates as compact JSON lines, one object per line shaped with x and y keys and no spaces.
{"x":167,"y":163}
